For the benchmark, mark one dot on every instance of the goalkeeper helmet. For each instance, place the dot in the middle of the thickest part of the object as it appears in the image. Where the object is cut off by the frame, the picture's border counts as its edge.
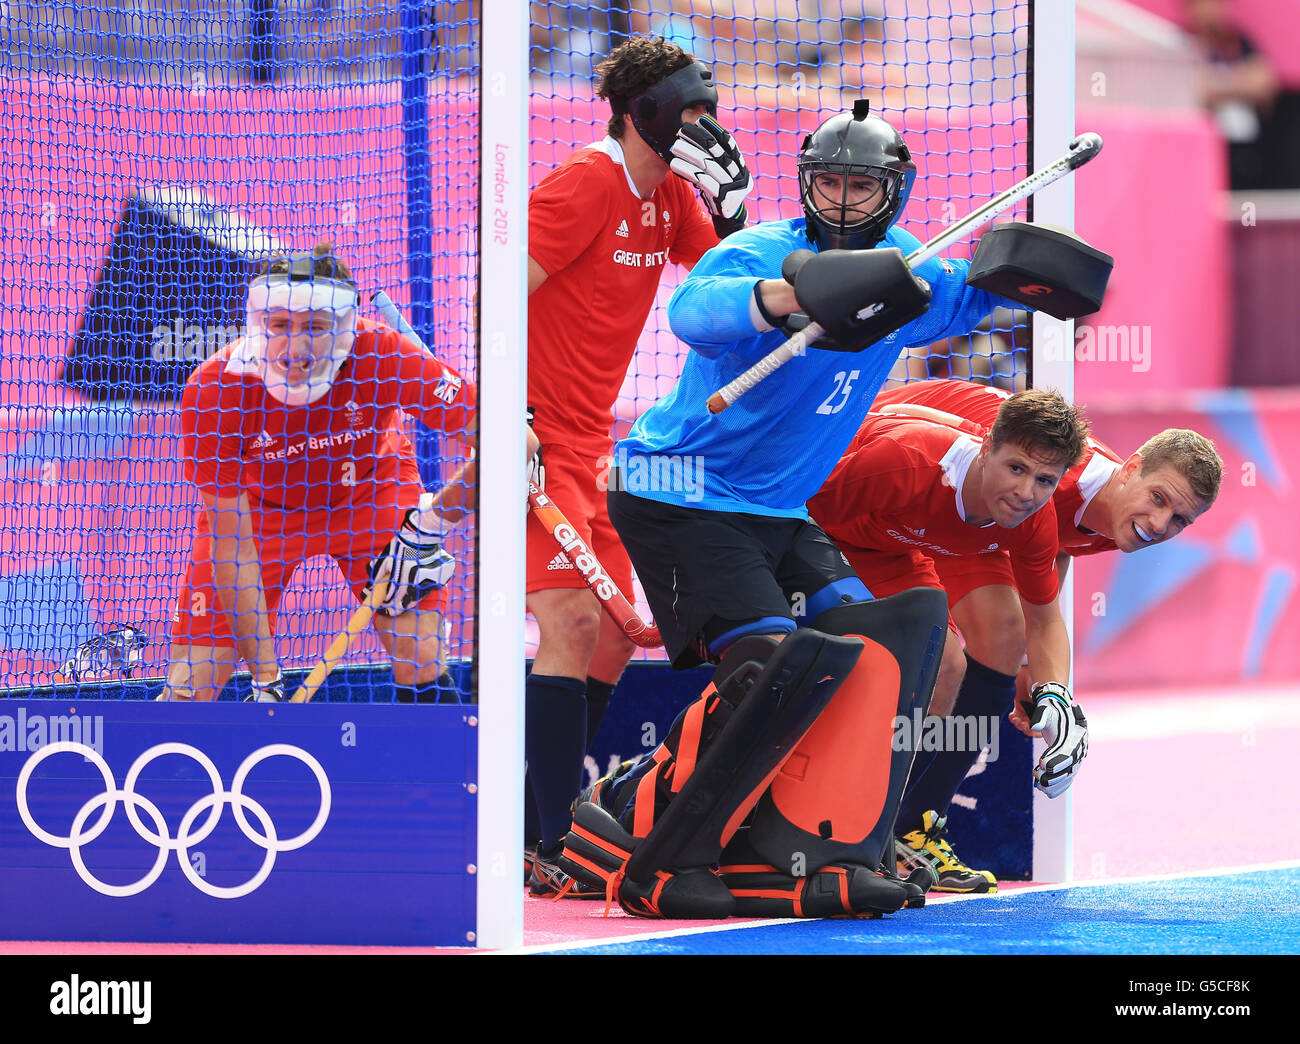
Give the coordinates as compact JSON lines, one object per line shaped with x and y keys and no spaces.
{"x":853,"y":145}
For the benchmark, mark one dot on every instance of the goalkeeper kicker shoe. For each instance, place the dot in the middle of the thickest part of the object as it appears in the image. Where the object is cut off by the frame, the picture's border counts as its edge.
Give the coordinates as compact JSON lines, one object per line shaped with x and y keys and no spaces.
{"x":928,"y":850}
{"x":915,"y":885}
{"x":548,"y":881}
{"x":597,"y":849}
{"x":835,"y":890}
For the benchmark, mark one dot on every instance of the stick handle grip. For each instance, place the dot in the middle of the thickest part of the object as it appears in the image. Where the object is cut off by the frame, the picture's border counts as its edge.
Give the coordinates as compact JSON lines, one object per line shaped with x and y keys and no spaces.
{"x":761,"y":370}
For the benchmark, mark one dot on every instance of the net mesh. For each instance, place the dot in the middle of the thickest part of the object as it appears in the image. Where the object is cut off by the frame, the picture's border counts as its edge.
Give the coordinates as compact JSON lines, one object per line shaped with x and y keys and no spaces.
{"x":154,"y":151}
{"x":153,"y":147}
{"x":950,"y":75}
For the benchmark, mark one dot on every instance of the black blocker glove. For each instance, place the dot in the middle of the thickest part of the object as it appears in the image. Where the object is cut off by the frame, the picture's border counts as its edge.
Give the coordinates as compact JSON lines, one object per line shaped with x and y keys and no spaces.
{"x":857,"y":296}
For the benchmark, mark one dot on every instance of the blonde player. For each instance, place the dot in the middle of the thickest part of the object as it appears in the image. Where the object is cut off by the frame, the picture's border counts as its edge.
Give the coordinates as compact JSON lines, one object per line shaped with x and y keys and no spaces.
{"x":1104,"y":503}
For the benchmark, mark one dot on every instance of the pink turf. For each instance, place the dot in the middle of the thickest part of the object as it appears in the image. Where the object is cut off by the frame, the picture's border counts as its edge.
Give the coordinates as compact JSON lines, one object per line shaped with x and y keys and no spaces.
{"x":1187,"y":780}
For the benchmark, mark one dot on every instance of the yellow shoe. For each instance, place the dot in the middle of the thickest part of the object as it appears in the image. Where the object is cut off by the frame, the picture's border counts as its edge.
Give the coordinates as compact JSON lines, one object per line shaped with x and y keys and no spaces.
{"x":927,"y":849}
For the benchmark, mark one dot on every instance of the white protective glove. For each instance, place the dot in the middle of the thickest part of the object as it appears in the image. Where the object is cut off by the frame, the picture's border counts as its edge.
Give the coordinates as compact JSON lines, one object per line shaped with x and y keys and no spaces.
{"x":267,"y":692}
{"x":1065,"y":730}
{"x":414,"y":562}
{"x":707,"y":156}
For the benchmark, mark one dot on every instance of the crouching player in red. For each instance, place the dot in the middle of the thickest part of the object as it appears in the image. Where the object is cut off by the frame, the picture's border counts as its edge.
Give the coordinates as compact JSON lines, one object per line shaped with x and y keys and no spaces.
{"x":291,"y":435}
{"x":1103,"y":503}
{"x":910,"y":504}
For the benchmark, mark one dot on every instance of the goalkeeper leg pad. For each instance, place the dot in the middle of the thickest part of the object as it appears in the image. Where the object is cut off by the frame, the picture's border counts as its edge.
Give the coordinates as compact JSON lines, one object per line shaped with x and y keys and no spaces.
{"x":768,"y":708}
{"x":674,"y":817}
{"x":836,"y":797}
{"x":836,"y":890}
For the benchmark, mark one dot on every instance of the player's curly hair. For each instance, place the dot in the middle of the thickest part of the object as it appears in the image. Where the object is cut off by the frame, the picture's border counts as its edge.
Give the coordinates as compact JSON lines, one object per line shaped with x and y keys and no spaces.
{"x":1044,"y":424}
{"x":325,"y":264}
{"x":1189,"y":453}
{"x":633,"y":67}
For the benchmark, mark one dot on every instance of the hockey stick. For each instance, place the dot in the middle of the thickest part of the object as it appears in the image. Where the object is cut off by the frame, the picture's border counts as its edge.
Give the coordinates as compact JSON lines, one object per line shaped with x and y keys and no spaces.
{"x":365,"y":612}
{"x":575,"y":549}
{"x":572,"y":546}
{"x":1082,"y":149}
{"x":339,"y":647}
{"x":360,"y":620}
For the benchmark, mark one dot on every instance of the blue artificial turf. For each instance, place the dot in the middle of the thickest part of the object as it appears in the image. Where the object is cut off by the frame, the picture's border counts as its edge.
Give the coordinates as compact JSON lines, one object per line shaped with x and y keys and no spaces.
{"x":1256,"y":912}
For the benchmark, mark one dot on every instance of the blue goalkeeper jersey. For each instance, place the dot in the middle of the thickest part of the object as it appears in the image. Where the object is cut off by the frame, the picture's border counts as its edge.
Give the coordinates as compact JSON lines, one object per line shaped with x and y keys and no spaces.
{"x":771,"y":450}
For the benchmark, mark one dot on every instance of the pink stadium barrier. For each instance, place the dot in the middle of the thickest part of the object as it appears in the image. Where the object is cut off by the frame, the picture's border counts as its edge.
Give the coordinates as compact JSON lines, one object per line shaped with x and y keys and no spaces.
{"x":1171,"y":287}
{"x":1220,"y":602}
{"x":1269,"y":23}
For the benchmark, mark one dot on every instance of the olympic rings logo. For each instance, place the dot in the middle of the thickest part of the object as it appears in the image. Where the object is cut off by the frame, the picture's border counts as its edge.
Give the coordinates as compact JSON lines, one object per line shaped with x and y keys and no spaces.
{"x":186,"y":836}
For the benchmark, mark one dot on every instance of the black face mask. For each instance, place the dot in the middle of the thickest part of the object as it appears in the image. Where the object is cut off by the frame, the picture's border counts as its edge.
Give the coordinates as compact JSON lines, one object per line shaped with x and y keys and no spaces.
{"x":656,"y":112}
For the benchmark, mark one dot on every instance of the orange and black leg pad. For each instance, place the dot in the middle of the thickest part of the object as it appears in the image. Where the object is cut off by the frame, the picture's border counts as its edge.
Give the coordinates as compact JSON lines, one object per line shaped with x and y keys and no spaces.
{"x":836,"y":797}
{"x":721,"y":755}
{"x":596,"y":851}
{"x":836,"y":890}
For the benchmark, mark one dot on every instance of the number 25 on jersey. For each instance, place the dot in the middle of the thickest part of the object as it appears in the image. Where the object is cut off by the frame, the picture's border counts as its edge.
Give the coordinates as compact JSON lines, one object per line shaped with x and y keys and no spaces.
{"x":839,"y":396}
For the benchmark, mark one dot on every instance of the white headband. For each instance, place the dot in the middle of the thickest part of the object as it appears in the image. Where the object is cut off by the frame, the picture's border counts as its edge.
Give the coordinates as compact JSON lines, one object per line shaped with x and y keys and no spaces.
{"x":278,"y":292}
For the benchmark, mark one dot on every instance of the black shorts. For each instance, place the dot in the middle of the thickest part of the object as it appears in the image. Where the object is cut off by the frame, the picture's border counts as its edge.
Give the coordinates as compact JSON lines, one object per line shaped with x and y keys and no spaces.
{"x":707,"y":573}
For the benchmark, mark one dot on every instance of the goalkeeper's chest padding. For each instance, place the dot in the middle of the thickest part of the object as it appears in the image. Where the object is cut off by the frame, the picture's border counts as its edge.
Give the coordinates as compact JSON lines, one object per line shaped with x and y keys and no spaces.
{"x":1048,"y":269}
{"x":857,"y":296}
